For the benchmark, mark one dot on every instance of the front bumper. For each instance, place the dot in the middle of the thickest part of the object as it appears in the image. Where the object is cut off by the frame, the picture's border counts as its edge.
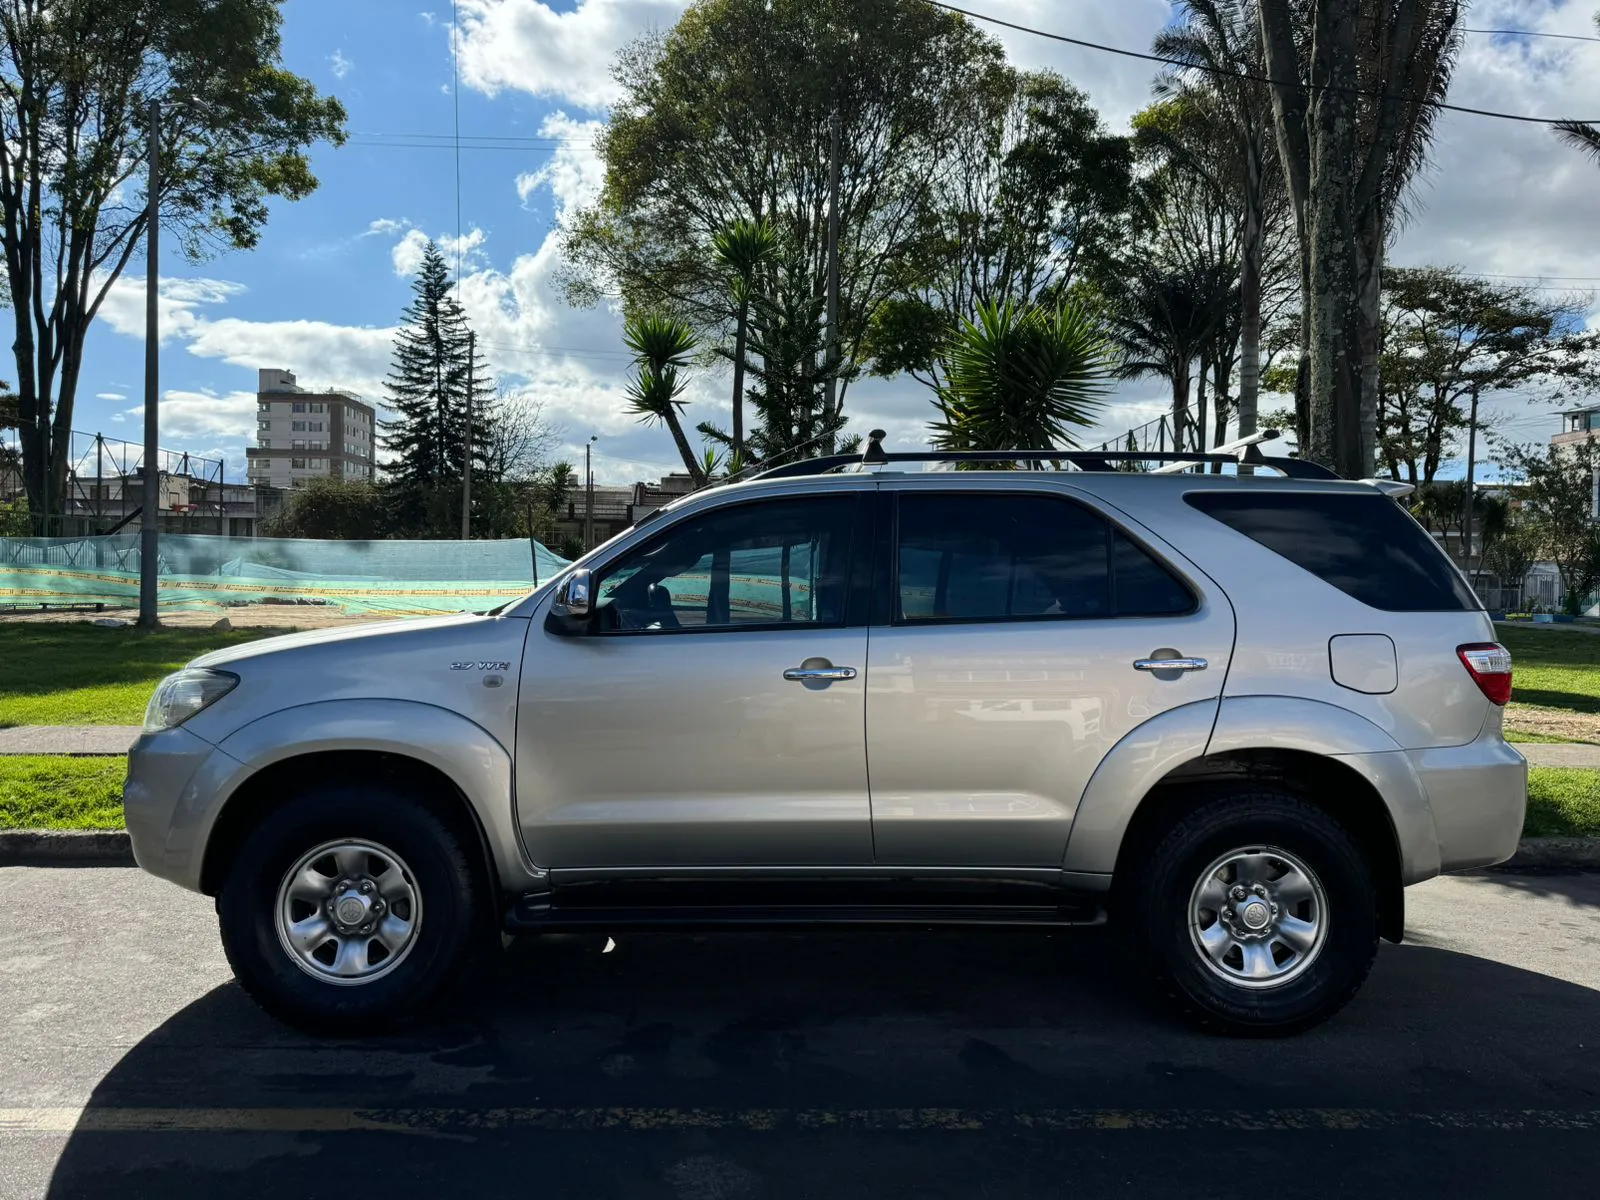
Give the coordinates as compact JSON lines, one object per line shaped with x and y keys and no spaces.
{"x":169,"y":801}
{"x":1478,"y":794}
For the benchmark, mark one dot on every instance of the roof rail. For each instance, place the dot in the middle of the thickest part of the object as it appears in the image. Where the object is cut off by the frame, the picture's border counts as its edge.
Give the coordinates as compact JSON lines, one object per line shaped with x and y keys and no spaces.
{"x":1083,"y":460}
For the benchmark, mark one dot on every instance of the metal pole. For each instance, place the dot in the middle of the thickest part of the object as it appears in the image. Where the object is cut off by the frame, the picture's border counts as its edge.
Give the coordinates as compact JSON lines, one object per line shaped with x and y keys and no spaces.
{"x":831,"y":356}
{"x":588,"y":502}
{"x":1466,"y":515}
{"x":149,"y":534}
{"x":466,"y":465}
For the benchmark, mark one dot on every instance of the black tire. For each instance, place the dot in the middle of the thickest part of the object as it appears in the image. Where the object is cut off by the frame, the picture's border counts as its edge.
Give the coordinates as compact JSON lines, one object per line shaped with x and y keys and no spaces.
{"x":1158,"y":901}
{"x":452,"y":934}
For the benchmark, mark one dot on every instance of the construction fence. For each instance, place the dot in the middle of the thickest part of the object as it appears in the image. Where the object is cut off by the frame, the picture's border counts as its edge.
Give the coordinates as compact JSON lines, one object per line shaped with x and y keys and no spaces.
{"x":205,"y":572}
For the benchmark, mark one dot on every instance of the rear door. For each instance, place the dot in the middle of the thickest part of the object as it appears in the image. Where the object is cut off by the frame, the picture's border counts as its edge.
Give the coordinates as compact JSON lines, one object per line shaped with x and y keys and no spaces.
{"x":1021,"y":641}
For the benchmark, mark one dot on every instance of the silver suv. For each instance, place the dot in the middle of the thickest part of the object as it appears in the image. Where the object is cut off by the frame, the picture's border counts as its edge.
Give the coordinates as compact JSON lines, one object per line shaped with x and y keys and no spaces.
{"x":1237,"y":712}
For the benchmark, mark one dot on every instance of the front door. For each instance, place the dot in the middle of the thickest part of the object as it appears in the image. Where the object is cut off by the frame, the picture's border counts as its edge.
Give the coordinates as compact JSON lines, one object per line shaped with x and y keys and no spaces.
{"x":714,"y":713}
{"x":1007,"y":670}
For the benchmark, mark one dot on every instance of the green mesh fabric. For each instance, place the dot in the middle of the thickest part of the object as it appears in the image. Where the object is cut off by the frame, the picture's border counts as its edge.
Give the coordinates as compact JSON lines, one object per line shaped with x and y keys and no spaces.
{"x":397,"y":577}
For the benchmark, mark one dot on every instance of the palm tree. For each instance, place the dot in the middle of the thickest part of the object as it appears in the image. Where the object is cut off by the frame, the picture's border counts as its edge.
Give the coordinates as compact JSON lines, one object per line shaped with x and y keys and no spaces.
{"x":1021,"y":378}
{"x":662,"y":346}
{"x":1161,"y":319}
{"x":741,"y":248}
{"x":1222,"y":42}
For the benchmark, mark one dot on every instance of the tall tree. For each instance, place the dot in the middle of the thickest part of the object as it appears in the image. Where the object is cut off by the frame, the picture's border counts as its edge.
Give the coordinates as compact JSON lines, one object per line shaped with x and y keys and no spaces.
{"x":742,"y":249}
{"x":1447,"y":336}
{"x":1558,"y":503}
{"x":1023,"y":377}
{"x":1161,"y":318}
{"x":76,"y":81}
{"x":1220,"y":45}
{"x":662,"y":347}
{"x":1032,"y":193}
{"x":729,"y":114}
{"x":1354,"y":95}
{"x":432,"y":379}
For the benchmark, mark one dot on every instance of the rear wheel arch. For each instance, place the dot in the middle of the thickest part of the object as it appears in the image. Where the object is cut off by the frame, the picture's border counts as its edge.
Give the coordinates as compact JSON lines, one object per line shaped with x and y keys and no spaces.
{"x":1323,"y":781}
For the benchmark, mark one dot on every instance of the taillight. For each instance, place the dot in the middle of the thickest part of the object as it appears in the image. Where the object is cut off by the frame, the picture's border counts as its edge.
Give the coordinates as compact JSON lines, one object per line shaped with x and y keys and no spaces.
{"x":1489,"y":664}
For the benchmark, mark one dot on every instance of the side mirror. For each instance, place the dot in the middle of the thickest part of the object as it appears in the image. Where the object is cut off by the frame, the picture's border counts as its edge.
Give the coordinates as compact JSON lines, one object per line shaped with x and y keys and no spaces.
{"x":572,"y":607}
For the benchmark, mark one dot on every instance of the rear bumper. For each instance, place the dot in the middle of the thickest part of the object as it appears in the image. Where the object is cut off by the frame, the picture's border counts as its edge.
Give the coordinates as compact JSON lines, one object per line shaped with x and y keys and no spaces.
{"x":1478,"y":794}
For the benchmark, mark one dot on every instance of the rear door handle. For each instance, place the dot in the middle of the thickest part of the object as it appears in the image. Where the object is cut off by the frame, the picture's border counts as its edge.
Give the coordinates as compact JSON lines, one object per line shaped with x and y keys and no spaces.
{"x":1169,"y":664}
{"x":815,"y":674}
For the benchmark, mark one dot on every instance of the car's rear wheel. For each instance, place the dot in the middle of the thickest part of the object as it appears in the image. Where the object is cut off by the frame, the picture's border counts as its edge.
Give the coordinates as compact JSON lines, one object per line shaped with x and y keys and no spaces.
{"x":350,"y":908}
{"x":1256,"y":914}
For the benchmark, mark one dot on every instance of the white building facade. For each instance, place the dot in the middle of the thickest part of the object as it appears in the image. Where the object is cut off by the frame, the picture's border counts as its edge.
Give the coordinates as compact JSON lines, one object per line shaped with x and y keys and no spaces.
{"x":303,"y":435}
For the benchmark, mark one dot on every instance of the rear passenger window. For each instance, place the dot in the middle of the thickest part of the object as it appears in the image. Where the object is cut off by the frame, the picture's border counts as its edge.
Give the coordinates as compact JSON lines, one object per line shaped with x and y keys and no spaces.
{"x":1365,"y":545}
{"x":967,"y":557}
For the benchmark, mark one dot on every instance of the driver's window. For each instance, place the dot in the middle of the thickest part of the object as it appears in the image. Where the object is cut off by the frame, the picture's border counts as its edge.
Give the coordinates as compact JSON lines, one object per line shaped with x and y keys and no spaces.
{"x":776,"y":562}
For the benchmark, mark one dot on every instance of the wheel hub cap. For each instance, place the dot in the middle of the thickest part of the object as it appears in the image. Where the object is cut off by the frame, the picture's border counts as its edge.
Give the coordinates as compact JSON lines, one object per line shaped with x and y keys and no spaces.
{"x":1256,"y":914}
{"x":1258,"y":917}
{"x":348,"y":912}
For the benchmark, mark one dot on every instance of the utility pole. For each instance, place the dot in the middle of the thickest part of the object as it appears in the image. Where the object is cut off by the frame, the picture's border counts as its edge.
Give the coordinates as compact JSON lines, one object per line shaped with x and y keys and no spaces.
{"x":150,"y":516}
{"x":831,"y":356}
{"x":466,"y":466}
{"x":1466,"y":514}
{"x":588,"y":500}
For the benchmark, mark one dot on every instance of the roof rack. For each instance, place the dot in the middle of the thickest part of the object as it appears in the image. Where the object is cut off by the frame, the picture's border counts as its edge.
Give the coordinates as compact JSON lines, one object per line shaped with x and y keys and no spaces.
{"x":1246,"y":450}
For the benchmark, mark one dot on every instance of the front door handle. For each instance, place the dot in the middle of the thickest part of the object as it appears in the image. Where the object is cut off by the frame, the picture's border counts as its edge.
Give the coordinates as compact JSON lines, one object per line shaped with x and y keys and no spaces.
{"x":1169,"y":664}
{"x":818,"y":674}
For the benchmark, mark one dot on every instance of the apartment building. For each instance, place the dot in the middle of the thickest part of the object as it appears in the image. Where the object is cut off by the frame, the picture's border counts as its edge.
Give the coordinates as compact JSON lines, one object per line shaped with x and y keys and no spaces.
{"x":303,"y":435}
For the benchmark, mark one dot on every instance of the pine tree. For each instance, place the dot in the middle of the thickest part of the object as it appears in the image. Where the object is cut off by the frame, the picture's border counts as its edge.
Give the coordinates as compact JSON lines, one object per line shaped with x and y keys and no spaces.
{"x":427,"y":386}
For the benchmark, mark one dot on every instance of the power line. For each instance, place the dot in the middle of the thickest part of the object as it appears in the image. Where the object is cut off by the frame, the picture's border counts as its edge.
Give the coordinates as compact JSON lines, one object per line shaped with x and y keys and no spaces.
{"x":1532,"y":33}
{"x":1190,"y":66}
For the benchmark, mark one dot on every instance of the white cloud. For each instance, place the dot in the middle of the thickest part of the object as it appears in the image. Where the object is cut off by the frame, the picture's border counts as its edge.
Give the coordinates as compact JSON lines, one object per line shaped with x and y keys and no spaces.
{"x":118,"y":417}
{"x":406,"y":254}
{"x":574,"y":173}
{"x":188,"y":415}
{"x":109,"y":396}
{"x":383,"y":226}
{"x":339,"y":64}
{"x":529,"y":46}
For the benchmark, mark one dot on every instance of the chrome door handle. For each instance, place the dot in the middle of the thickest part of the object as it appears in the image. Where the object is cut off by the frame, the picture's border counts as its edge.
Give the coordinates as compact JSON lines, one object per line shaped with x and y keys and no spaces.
{"x":824,"y":674}
{"x":1169,"y":664}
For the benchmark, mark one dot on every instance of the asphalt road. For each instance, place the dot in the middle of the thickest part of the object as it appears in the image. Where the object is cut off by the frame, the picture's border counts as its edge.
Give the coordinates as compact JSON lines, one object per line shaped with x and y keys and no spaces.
{"x":839,"y":1066}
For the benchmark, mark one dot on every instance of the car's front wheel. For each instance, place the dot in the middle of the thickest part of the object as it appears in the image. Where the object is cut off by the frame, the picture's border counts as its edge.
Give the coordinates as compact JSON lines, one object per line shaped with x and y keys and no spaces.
{"x":1256,"y":914}
{"x":350,"y":908}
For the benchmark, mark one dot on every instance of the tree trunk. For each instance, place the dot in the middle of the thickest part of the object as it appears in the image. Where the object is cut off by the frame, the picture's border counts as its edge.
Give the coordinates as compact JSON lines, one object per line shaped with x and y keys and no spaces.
{"x":690,"y":463}
{"x":1180,"y":406}
{"x":1369,"y":334}
{"x":738,"y":379}
{"x":1200,"y":403}
{"x":1250,"y":251}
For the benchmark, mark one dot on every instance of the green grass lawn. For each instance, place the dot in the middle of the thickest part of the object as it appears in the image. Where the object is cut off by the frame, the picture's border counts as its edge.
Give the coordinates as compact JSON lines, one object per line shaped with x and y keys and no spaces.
{"x":55,"y":792}
{"x":51,"y":792}
{"x":1563,"y":800}
{"x":1553,"y":668}
{"x":81,"y":674}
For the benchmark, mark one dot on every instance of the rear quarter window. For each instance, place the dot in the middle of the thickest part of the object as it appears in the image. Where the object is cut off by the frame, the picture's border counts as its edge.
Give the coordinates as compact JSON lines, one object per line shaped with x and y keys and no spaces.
{"x":1367,"y":546}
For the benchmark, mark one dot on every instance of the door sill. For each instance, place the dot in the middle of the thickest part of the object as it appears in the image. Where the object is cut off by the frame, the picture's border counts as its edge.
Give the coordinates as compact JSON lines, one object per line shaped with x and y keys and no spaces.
{"x":535,"y":914}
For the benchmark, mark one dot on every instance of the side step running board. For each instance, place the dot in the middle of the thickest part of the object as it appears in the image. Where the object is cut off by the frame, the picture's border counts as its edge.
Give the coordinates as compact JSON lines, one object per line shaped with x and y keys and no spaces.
{"x":535,"y":914}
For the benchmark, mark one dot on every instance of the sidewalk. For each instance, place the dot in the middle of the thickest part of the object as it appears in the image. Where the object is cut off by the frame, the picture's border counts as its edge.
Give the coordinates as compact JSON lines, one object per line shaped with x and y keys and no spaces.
{"x":116,"y":739}
{"x":103,"y":740}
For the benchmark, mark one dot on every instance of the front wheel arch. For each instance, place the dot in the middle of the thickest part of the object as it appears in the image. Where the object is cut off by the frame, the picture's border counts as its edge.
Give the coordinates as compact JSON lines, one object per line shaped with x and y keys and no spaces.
{"x":279,"y":782}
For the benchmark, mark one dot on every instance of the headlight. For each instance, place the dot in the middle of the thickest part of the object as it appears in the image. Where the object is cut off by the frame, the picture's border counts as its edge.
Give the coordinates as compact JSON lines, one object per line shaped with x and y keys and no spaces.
{"x":179,"y":696}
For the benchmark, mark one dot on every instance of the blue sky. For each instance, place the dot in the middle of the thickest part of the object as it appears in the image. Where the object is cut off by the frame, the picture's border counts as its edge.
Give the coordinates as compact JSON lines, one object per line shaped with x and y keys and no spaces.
{"x":322,"y":293}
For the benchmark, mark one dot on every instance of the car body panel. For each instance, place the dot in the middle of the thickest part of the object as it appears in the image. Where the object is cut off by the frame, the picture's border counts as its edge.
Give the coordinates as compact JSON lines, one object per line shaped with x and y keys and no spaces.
{"x":691,"y":749}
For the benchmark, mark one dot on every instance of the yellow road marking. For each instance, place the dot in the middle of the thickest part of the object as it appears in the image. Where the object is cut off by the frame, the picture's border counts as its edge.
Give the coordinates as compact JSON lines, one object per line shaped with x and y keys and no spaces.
{"x":466,"y":1122}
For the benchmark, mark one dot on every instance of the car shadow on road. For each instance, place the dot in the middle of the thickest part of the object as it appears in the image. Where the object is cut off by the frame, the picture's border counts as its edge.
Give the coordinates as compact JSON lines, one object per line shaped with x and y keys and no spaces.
{"x":1578,"y":888}
{"x":861,"y":1065}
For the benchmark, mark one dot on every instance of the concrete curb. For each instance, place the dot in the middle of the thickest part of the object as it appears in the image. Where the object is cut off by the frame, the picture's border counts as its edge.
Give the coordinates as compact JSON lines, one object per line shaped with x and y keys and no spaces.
{"x":65,"y":848}
{"x":81,"y":848}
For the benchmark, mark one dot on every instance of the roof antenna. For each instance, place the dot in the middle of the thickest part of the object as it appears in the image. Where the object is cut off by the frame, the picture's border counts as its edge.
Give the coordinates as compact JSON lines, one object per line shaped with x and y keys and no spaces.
{"x":874,"y":456}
